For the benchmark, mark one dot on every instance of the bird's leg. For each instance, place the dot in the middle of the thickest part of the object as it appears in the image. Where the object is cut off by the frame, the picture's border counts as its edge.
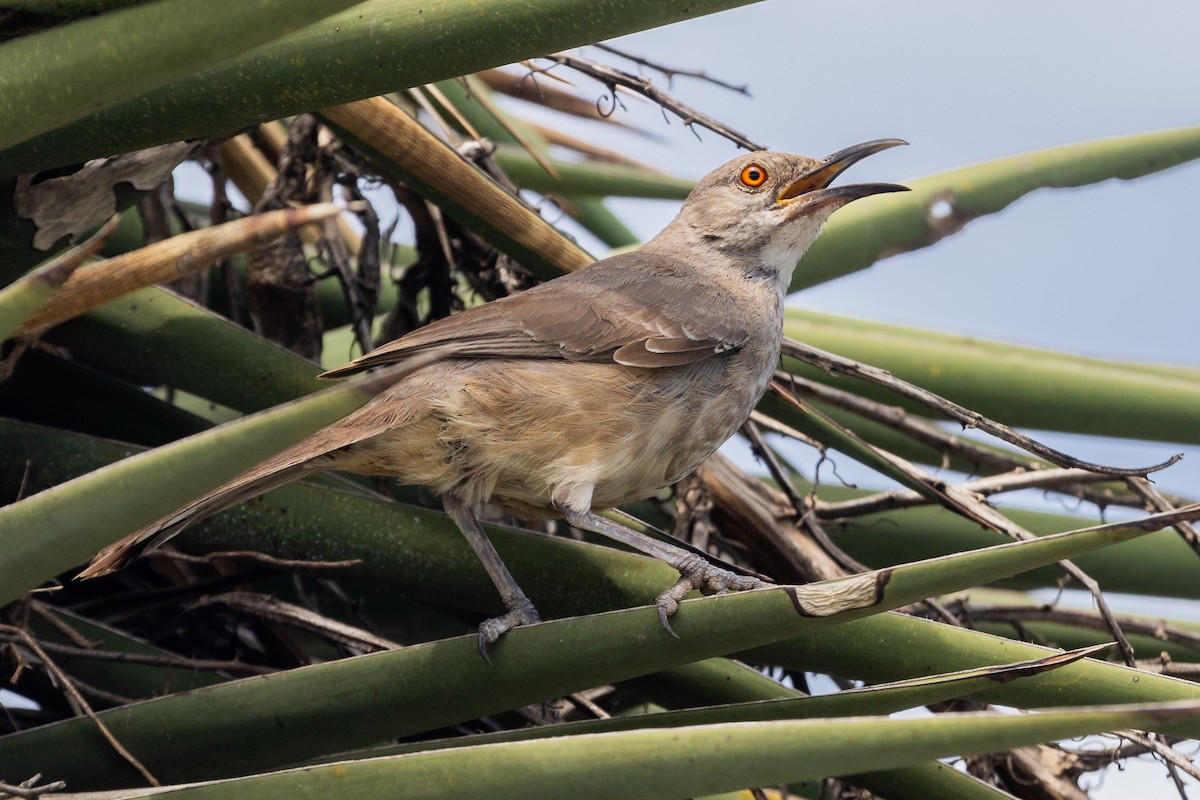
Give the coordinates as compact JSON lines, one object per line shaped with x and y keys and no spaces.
{"x":695,"y":571}
{"x":520,"y":610}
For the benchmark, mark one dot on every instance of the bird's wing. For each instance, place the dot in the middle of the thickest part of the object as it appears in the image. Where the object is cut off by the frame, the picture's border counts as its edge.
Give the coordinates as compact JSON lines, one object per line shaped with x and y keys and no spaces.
{"x":638,"y":309}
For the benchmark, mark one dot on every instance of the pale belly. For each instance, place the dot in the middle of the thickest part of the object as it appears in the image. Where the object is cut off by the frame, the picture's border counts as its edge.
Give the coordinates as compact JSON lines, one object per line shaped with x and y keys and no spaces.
{"x":514,"y":432}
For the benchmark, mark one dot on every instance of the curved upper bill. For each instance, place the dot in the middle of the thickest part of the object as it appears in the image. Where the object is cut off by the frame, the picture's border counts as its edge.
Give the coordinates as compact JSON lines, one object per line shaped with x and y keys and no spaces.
{"x":814,"y":184}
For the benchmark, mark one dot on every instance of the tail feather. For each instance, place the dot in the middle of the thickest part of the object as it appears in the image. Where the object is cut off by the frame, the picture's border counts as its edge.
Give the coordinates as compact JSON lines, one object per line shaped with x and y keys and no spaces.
{"x":116,"y":556}
{"x":310,"y":455}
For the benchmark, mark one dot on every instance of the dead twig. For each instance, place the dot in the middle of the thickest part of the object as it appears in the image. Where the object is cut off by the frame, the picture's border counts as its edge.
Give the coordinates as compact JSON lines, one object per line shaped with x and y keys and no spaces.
{"x":68,"y":687}
{"x":924,"y":432}
{"x":970,"y":505}
{"x":967,"y":418}
{"x":282,"y":563}
{"x":28,"y":789}
{"x":782,"y":480}
{"x":671,"y":72}
{"x":1154,"y":501}
{"x":614,"y":79}
{"x":1165,"y":665}
{"x":270,"y":608}
{"x":524,"y":87}
{"x":763,"y":519}
{"x":984,"y":487}
{"x":1079,"y":618}
{"x":149,"y":659}
{"x":1157,"y":745}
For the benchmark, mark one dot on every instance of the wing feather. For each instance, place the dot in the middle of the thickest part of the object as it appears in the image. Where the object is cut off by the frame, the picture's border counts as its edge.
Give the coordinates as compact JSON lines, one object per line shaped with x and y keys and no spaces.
{"x":646,"y":313}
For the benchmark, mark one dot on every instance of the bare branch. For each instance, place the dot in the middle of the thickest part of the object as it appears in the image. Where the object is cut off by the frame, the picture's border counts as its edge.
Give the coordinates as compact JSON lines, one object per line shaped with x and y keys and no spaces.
{"x":773,"y":425}
{"x":670,"y":72}
{"x":762,"y":518}
{"x":282,"y":563}
{"x":28,"y":790}
{"x":985,"y":487}
{"x":922,"y":431}
{"x":1017,"y":614}
{"x":1155,"y":744}
{"x":268,"y":607}
{"x":614,"y":78}
{"x":971,"y":506}
{"x":764,"y":452}
{"x":1155,"y":501}
{"x":68,"y":687}
{"x":969,"y":419}
{"x":151,"y":659}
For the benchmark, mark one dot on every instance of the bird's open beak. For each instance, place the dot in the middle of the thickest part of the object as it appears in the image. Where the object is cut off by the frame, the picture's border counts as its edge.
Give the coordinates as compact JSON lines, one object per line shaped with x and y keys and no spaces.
{"x":813,"y":187}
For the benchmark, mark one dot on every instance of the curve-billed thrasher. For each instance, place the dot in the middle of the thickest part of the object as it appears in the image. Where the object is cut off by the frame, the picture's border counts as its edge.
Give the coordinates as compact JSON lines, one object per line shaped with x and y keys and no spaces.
{"x":591,"y":390}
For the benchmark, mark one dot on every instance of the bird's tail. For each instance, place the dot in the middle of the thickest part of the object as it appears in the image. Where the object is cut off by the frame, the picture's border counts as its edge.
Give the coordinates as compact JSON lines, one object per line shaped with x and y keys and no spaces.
{"x":310,"y":455}
{"x":244,"y":487}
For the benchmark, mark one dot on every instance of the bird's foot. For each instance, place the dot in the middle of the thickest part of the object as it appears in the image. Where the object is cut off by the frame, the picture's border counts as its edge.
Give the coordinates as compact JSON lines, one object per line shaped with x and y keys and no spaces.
{"x":697,"y":573}
{"x":520,"y":612}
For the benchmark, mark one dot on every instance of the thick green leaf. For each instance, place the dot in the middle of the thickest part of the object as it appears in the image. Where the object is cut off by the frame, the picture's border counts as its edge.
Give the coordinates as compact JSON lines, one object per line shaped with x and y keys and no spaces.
{"x":69,"y":8}
{"x":45,"y":389}
{"x":19,"y":301}
{"x":685,"y":761}
{"x":909,"y":643}
{"x":875,"y":700}
{"x":725,"y":681}
{"x":255,"y":723}
{"x":348,"y":56}
{"x":160,"y":338}
{"x":1007,"y":382}
{"x":595,"y":216}
{"x":591,"y":178}
{"x":68,"y":72}
{"x":42,"y":535}
{"x":125,"y":678}
{"x":940,"y":205}
{"x":1162,"y":564}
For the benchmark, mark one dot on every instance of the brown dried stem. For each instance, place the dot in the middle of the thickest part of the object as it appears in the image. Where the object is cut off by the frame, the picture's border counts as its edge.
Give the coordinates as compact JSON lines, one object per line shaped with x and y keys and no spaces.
{"x":970,"y":505}
{"x":768,"y":457}
{"x":551,"y":97}
{"x":614,"y":79}
{"x":1154,"y":501}
{"x":282,"y":563}
{"x":1050,"y":479}
{"x":763,"y":519}
{"x":68,"y":687}
{"x":671,"y":72}
{"x":270,"y":608}
{"x":28,"y":790}
{"x":967,"y":418}
{"x":151,"y":659}
{"x":1154,"y":743}
{"x":948,"y":444}
{"x":1020,"y":615}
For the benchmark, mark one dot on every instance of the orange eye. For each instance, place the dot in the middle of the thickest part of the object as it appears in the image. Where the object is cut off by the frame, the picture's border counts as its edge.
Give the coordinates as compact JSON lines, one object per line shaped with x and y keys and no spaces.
{"x":754,"y":175}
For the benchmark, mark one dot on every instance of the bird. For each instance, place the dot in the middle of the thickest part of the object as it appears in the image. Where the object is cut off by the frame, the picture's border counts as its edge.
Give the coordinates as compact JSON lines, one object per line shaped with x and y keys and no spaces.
{"x":587,"y":391}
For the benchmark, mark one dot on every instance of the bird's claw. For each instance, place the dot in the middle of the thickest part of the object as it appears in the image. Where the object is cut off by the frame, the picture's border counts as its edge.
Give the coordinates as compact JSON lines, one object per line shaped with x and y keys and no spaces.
{"x":697,"y":573}
{"x":520,"y":613}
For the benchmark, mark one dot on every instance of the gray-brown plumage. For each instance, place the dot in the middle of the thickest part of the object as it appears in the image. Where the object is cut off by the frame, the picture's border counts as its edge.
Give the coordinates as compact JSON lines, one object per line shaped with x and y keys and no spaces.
{"x":590,"y":390}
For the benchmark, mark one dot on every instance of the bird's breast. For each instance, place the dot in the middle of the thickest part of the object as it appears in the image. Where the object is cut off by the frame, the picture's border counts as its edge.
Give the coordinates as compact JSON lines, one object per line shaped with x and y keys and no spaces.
{"x":514,"y":429}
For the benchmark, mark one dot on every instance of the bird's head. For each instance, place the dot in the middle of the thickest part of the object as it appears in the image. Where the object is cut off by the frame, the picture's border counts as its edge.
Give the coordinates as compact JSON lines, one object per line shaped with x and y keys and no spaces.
{"x":764,"y":209}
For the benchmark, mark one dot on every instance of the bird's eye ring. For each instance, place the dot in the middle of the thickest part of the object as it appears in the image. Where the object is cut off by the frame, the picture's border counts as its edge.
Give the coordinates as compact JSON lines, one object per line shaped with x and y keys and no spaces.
{"x":753,"y":175}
